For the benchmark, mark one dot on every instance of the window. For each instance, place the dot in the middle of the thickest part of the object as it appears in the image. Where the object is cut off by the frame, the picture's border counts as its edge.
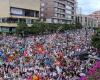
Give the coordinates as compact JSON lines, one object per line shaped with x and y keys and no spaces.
{"x":42,"y":9}
{"x":37,"y":14}
{"x":28,"y":21}
{"x":56,"y":4}
{"x":68,"y":17}
{"x":55,"y":21}
{"x":68,"y":7}
{"x":4,"y":20}
{"x":0,"y":20}
{"x":42,"y":14}
{"x":55,"y":15}
{"x":42,"y":4}
{"x":56,"y":9}
{"x":16,"y":11}
{"x":68,"y":12}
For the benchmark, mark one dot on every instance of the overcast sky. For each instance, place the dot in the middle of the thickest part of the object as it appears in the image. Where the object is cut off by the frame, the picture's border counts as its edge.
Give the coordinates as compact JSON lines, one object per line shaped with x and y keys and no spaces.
{"x":88,"y":6}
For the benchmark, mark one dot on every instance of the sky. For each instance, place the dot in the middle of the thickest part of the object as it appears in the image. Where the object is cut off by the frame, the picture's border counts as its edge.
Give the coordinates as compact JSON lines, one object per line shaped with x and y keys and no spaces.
{"x":88,"y":6}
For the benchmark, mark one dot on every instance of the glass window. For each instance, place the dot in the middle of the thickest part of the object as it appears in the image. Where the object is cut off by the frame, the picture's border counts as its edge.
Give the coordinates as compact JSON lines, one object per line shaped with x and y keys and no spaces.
{"x":42,"y":9}
{"x":55,"y":15}
{"x":16,"y":11}
{"x":42,"y":4}
{"x":0,"y":20}
{"x":56,"y":9}
{"x":68,"y":12}
{"x":42,"y":14}
{"x":68,"y":7}
{"x":28,"y":21}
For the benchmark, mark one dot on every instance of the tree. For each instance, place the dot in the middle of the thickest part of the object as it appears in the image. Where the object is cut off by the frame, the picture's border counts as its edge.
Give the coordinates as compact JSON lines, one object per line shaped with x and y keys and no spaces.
{"x":22,"y":29}
{"x":35,"y":28}
{"x":44,"y":28}
{"x":66,"y":27}
{"x":95,"y":41}
{"x":78,"y":25}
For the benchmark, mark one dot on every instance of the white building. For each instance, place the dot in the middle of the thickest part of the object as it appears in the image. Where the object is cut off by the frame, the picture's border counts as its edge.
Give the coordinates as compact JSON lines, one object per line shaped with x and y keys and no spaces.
{"x":87,"y":21}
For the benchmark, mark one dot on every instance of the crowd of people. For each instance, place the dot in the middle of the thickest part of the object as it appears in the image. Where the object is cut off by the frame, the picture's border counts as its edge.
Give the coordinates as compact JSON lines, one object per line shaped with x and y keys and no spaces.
{"x":45,"y":57}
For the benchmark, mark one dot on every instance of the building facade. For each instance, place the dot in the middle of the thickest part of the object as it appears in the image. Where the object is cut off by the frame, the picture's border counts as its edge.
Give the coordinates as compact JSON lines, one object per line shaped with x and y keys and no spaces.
{"x":86,"y":21}
{"x":96,"y":15}
{"x":58,"y":11}
{"x":14,"y":11}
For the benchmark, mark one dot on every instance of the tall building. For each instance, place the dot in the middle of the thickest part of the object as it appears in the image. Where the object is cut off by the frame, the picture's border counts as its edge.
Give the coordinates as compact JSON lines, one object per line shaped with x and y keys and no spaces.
{"x":87,"y":21}
{"x":96,"y":15}
{"x":14,"y":11}
{"x":58,"y":11}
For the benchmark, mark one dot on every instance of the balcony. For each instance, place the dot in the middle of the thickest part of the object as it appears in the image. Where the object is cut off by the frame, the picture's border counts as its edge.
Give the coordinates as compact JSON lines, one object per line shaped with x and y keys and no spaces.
{"x":8,"y":24}
{"x":72,"y":1}
{"x":61,"y":2}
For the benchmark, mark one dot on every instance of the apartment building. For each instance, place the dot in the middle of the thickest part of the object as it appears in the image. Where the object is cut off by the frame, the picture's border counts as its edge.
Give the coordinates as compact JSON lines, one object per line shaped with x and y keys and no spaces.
{"x":96,"y":15}
{"x":58,"y":11}
{"x":14,"y":11}
{"x":86,"y":20}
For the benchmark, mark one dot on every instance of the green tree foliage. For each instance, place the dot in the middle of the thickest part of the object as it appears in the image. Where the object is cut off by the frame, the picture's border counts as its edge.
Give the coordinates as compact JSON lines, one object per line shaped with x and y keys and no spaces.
{"x":78,"y":25}
{"x":45,"y":28}
{"x":34,"y":29}
{"x":96,"y":39}
{"x":22,"y":29}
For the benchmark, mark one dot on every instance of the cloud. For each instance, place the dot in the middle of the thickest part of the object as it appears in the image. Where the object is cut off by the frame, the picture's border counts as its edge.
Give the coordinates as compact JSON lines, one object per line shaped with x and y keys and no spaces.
{"x":88,"y":6}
